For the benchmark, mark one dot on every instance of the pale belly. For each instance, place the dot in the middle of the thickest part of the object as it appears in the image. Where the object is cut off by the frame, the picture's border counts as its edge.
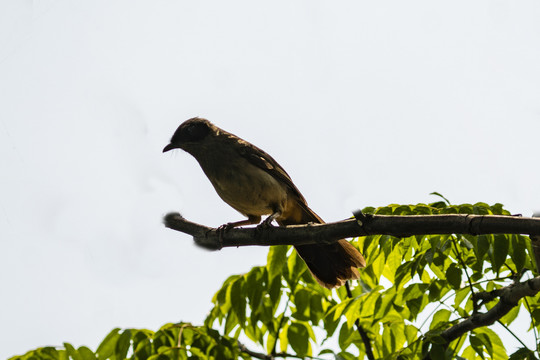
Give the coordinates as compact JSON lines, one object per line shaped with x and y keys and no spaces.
{"x":249,"y":190}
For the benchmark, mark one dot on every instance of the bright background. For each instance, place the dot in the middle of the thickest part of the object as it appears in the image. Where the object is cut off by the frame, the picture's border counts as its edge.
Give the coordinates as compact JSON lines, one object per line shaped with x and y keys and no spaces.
{"x":363,"y":103}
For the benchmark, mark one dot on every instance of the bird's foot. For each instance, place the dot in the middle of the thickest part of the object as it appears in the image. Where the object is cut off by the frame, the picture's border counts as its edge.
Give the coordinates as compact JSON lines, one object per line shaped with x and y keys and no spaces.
{"x":267,"y":223}
{"x":222,"y":229}
{"x":226,"y":227}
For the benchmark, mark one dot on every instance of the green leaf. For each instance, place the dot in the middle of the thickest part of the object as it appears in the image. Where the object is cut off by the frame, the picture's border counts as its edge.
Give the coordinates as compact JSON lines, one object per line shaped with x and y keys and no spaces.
{"x":277,"y":255}
{"x":274,"y":291}
{"x":453,"y":275}
{"x":368,"y":307}
{"x":492,"y":342}
{"x":346,"y":356}
{"x":316,"y":310}
{"x":231,"y":322}
{"x":237,"y":299}
{"x":283,"y":342}
{"x":466,"y":209}
{"x":254,"y":286}
{"x":403,"y":274}
{"x":442,"y":197}
{"x":481,"y":208}
{"x":74,"y":354}
{"x":162,"y":357}
{"x":392,"y":262}
{"x":141,"y":335}
{"x":326,"y":351}
{"x":497,"y":209}
{"x":331,"y":322}
{"x":270,"y":342}
{"x":414,"y":291}
{"x":519,"y":255}
{"x":469,"y":353}
{"x":298,"y":337}
{"x":436,"y":339}
{"x":123,"y":344}
{"x":482,"y":246}
{"x":144,"y":349}
{"x":411,"y":333}
{"x":346,"y":336}
{"x":396,"y":332}
{"x":461,"y":295}
{"x":108,"y":345}
{"x":437,"y":351}
{"x":477,"y":345}
{"x":295,"y":268}
{"x":301,"y":300}
{"x":511,"y":315}
{"x":86,"y":353}
{"x":352,"y":312}
{"x":523,"y":354}
{"x":384,"y":304}
{"x":377,"y":266}
{"x":439,"y":319}
{"x":501,"y":244}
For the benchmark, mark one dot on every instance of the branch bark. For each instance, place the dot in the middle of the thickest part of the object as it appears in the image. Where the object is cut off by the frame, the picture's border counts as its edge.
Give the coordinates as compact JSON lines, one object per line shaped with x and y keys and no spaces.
{"x":509,"y":297}
{"x":362,"y":225}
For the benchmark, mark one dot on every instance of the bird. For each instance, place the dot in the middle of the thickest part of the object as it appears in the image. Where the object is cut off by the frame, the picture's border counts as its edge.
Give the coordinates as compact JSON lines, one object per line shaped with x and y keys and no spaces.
{"x":253,"y":183}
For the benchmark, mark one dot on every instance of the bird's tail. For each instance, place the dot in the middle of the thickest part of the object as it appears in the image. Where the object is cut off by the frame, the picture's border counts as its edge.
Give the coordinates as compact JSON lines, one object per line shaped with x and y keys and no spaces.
{"x":330,"y":264}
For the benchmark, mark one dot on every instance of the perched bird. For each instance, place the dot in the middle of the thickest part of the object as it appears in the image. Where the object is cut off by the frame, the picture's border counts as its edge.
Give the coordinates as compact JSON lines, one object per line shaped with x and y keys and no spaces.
{"x":253,"y":183}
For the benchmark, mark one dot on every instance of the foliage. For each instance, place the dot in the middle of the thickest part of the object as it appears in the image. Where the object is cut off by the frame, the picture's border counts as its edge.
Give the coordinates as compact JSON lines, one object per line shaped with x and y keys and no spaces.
{"x":172,"y":341}
{"x":412,"y":289}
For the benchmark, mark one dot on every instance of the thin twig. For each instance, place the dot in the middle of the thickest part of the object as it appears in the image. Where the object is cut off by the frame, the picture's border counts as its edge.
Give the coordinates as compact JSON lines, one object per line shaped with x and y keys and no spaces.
{"x":458,"y":253}
{"x":361,"y":331}
{"x":280,"y":325}
{"x":512,"y":333}
{"x":535,"y":332}
{"x":254,"y":354}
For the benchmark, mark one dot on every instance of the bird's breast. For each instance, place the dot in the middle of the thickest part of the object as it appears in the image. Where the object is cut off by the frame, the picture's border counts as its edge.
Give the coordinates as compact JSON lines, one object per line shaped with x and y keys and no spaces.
{"x":246,"y":187}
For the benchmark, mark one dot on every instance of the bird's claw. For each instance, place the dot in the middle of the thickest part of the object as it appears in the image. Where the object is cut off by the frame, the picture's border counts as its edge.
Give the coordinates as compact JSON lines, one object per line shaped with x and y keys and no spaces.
{"x":265,"y":224}
{"x":222,"y":229}
{"x":225,"y":227}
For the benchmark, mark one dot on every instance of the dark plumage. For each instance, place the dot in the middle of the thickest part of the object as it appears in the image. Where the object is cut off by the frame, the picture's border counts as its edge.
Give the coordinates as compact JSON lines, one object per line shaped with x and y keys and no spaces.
{"x":253,"y":183}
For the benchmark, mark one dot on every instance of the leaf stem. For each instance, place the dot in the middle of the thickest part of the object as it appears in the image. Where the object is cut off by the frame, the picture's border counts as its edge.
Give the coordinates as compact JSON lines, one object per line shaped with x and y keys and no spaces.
{"x":464,"y":266}
{"x":533,"y":325}
{"x":511,"y":333}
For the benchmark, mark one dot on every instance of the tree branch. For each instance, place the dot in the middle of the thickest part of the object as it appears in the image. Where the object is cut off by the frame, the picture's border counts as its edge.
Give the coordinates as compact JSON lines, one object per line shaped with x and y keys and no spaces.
{"x":362,"y":225}
{"x":254,"y":354}
{"x":509,"y":297}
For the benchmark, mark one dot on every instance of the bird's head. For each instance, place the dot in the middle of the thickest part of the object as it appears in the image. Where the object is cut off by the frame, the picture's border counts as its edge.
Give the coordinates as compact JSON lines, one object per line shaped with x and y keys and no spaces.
{"x":189,"y":133}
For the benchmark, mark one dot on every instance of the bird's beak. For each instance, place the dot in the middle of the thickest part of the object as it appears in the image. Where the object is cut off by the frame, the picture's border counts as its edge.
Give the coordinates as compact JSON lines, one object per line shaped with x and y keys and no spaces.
{"x":169,"y":147}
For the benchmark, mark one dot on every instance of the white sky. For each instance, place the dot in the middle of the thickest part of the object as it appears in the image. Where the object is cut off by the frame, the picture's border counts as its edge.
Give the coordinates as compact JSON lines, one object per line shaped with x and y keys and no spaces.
{"x":363,"y":103}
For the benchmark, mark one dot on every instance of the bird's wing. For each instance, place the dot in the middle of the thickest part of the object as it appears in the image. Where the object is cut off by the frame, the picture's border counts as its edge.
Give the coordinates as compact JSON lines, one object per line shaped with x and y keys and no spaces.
{"x":264,"y":161}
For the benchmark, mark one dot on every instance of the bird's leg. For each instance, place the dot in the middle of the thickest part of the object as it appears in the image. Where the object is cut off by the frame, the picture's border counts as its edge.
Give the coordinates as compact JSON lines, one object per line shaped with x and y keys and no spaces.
{"x":226,"y":227}
{"x":268,"y":221}
{"x":252,"y":219}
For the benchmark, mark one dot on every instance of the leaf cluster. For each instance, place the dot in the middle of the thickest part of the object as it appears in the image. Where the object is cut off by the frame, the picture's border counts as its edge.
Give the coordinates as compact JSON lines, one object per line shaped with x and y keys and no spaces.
{"x":412,"y":290}
{"x":171,"y":341}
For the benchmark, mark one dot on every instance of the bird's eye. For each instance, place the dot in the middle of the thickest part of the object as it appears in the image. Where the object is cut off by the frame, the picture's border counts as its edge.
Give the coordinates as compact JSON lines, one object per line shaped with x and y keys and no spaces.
{"x":197,"y":132}
{"x":192,"y":130}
